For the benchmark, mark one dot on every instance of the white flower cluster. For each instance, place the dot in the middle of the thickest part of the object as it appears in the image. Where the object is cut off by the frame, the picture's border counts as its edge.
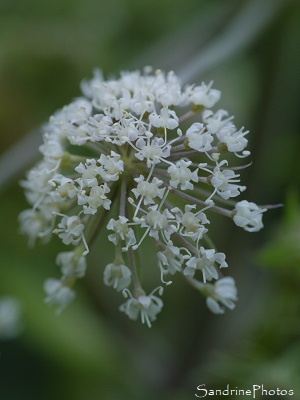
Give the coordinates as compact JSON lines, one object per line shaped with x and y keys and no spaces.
{"x":159,"y":152}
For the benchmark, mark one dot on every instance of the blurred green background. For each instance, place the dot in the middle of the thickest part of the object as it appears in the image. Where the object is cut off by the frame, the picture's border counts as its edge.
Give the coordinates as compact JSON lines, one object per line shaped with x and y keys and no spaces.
{"x":251,"y":49}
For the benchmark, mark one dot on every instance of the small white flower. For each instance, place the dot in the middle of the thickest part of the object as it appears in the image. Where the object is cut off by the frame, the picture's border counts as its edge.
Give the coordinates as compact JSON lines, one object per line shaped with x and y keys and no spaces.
{"x":70,"y":230}
{"x":52,"y":147}
{"x":224,"y":182}
{"x":193,"y":223}
{"x":96,"y":198}
{"x":110,"y":166}
{"x":215,"y":122}
{"x":36,"y":223}
{"x":142,"y":103}
{"x":146,"y":306}
{"x":223,"y":291}
{"x":235,"y":140}
{"x":169,"y":93}
{"x":70,"y":122}
{"x":170,"y":260}
{"x":76,"y":112}
{"x":126,"y":130}
{"x":206,"y":263}
{"x":181,"y":175}
{"x":148,"y":190}
{"x":72,"y":265}
{"x":89,"y":172}
{"x":90,"y":87}
{"x":205,"y":96}
{"x":64,"y":188}
{"x":153,"y":150}
{"x":167,"y":119}
{"x":121,"y":231}
{"x":158,"y":222}
{"x":248,"y":216}
{"x":58,"y":294}
{"x":99,"y":127}
{"x":117,"y":275}
{"x":37,"y":183}
{"x":78,"y":135}
{"x":198,"y":138}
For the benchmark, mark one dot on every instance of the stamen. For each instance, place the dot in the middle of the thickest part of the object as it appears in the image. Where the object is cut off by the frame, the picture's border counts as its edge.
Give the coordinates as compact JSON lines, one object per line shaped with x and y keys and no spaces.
{"x":136,"y":246}
{"x":85,"y":245}
{"x":161,"y":277}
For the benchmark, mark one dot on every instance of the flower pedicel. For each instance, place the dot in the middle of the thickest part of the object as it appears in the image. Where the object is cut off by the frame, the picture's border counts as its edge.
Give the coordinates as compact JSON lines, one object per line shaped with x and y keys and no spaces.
{"x":129,"y":141}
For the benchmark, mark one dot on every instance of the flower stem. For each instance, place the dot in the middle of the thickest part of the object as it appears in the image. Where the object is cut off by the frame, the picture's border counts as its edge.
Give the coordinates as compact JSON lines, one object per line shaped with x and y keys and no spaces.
{"x":133,"y":268}
{"x":193,"y":200}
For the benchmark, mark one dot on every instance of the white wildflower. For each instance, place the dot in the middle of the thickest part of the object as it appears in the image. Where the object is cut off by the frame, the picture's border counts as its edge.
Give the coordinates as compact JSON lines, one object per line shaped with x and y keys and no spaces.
{"x":58,"y":294}
{"x":170,"y":260}
{"x":223,"y":291}
{"x":167,"y":119}
{"x":70,"y":230}
{"x":148,"y":190}
{"x":63,"y":188}
{"x":225,"y":181}
{"x":121,"y":231}
{"x":198,"y":138}
{"x":37,"y":223}
{"x":145,"y":306}
{"x":72,"y":264}
{"x":127,"y":152}
{"x":117,"y":275}
{"x":89,"y":173}
{"x":95,"y":199}
{"x":181,"y":175}
{"x":205,"y":262}
{"x":205,"y":96}
{"x":193,"y":223}
{"x":153,"y":151}
{"x":100,"y":127}
{"x":248,"y":216}
{"x":158,"y":222}
{"x":52,"y":149}
{"x":111,"y":166}
{"x":215,"y":122}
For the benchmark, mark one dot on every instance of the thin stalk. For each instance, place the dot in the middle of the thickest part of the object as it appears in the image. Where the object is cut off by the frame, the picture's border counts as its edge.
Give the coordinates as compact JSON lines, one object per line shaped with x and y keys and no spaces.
{"x":186,"y":243}
{"x":206,"y":194}
{"x":187,"y":115}
{"x":133,"y":268}
{"x":179,"y":147}
{"x":193,"y":200}
{"x":123,"y":196}
{"x":188,"y":153}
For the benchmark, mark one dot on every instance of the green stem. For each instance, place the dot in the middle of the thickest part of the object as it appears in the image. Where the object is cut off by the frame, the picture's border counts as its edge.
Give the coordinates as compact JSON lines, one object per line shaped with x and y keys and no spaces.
{"x":138,"y":290}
